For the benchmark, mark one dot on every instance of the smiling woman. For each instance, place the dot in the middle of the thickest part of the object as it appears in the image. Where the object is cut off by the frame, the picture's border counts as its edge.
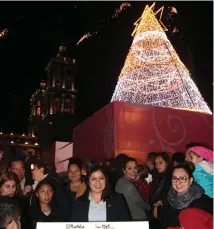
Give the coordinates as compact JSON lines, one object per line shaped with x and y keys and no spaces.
{"x":99,"y":203}
{"x":184,"y":198}
{"x":138,"y":207}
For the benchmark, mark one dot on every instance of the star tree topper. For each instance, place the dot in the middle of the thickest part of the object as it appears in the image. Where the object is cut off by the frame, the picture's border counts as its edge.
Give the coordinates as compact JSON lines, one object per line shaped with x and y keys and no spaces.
{"x":150,"y":9}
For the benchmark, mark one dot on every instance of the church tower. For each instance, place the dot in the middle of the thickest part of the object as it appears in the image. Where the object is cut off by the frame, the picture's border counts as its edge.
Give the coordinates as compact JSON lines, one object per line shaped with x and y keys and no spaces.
{"x":61,"y":93}
{"x":53,"y":105}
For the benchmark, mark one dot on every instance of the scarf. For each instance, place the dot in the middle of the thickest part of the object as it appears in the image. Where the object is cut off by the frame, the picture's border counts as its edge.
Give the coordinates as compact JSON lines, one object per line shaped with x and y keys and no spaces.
{"x":180,"y":202}
{"x":207,"y":166}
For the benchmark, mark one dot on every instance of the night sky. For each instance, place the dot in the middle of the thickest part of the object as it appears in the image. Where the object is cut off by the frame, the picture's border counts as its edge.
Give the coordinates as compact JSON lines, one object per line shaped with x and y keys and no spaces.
{"x":35,"y":30}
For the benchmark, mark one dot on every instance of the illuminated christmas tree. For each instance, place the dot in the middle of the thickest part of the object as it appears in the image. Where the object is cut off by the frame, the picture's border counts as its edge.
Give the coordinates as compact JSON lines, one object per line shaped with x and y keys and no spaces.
{"x":153,"y":72}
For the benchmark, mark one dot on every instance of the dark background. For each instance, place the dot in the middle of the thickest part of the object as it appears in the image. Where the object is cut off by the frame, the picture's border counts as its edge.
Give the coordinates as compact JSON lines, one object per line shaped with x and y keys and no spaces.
{"x":35,"y":30}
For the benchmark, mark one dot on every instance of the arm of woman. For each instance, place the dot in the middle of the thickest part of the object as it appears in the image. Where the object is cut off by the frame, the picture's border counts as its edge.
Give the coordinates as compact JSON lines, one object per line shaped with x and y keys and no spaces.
{"x":155,"y":212}
{"x":137,"y":205}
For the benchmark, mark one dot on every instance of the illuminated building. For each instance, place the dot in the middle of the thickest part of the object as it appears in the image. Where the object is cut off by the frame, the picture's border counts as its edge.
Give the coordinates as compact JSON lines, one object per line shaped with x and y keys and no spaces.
{"x":53,"y":104}
{"x":153,"y":72}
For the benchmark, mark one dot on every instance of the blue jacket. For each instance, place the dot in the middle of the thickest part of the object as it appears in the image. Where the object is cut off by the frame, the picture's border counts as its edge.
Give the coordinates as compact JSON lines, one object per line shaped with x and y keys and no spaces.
{"x":203,"y":175}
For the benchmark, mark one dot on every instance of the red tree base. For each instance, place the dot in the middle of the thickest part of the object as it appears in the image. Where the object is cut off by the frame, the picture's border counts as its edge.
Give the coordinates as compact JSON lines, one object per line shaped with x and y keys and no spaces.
{"x":138,"y":129}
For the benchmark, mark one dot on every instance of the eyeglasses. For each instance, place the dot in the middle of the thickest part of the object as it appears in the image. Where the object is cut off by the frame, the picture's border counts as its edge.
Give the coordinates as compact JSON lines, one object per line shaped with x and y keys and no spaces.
{"x":180,"y":179}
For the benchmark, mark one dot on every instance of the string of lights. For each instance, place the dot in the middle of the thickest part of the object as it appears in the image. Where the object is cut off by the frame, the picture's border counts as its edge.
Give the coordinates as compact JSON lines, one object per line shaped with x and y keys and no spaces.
{"x":153,"y":72}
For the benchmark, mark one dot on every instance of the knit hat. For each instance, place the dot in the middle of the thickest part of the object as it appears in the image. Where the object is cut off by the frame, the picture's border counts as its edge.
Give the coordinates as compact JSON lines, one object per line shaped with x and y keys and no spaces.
{"x":203,"y":152}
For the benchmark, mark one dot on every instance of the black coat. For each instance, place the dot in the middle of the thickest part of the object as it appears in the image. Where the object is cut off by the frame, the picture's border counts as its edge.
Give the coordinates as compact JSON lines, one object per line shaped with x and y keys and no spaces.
{"x":168,"y":215}
{"x":116,"y":208}
{"x":113,"y":177}
{"x":160,"y":186}
{"x":36,"y":215}
{"x":60,"y":197}
{"x":29,"y":181}
{"x":24,"y":205}
{"x":71,"y":195}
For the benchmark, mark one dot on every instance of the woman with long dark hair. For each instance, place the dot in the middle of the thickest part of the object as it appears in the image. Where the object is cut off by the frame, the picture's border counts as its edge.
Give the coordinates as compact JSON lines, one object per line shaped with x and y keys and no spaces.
{"x":99,"y":203}
{"x":161,"y":181}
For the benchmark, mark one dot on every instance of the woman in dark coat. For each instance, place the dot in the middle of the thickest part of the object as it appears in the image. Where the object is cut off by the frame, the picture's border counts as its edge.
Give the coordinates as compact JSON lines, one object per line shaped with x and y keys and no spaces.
{"x":161,"y":181}
{"x":76,"y":186}
{"x":183,"y":195}
{"x":98,"y":203}
{"x":45,"y":209}
{"x":44,"y":171}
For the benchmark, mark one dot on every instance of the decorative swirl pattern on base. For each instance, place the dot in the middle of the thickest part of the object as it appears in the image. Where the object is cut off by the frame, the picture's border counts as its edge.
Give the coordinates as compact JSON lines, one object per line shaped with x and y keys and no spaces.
{"x":167,"y":145}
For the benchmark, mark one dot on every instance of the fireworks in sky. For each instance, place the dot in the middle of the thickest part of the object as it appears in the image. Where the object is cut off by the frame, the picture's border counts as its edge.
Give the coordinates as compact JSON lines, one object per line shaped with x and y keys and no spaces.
{"x":122,"y":7}
{"x":117,"y":12}
{"x":3,"y":33}
{"x":86,"y":36}
{"x":171,"y":18}
{"x":175,"y":30}
{"x":172,"y":12}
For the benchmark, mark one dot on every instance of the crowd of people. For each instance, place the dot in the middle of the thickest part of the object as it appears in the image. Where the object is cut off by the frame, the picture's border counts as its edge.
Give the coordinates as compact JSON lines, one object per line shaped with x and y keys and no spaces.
{"x":170,"y":192}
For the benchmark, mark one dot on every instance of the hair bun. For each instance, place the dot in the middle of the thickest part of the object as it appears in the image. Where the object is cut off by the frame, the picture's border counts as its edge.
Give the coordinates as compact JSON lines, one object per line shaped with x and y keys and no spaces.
{"x":190,"y":165}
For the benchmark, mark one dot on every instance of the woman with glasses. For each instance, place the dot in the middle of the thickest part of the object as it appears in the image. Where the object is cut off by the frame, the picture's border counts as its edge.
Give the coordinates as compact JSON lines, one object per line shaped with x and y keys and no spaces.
{"x":186,"y":205}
